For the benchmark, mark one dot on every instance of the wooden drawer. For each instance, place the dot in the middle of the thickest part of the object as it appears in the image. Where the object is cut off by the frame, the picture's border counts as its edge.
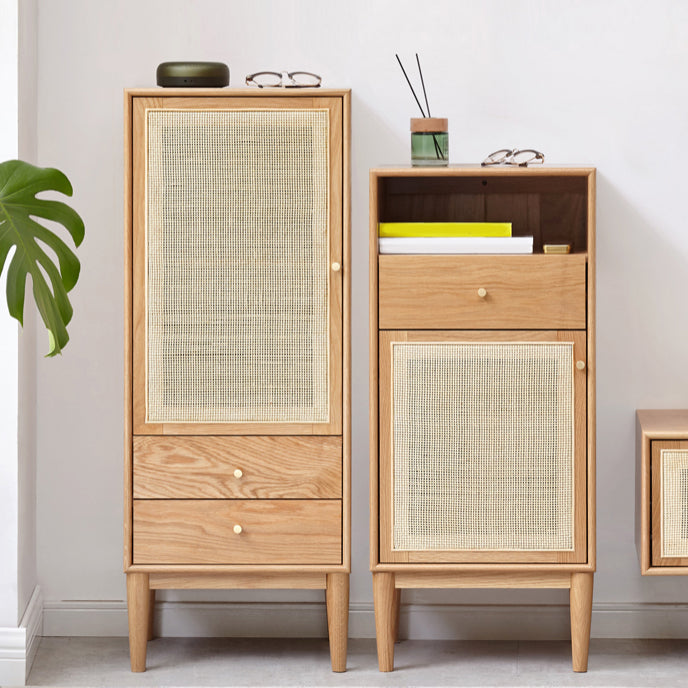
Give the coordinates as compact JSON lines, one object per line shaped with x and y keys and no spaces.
{"x":272,"y":531}
{"x":442,"y":292}
{"x":275,"y":467}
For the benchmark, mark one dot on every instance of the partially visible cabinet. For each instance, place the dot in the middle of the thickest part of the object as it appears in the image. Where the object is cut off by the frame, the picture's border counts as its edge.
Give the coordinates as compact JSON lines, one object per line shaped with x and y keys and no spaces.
{"x":482,"y":393}
{"x":237,"y":422}
{"x":662,"y":491}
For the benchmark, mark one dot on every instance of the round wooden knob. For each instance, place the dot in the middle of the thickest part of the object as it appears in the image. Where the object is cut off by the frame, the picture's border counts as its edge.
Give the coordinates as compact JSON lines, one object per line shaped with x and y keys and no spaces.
{"x":580,"y":365}
{"x":336,"y":267}
{"x":237,"y":529}
{"x":482,"y":292}
{"x":238,"y":473}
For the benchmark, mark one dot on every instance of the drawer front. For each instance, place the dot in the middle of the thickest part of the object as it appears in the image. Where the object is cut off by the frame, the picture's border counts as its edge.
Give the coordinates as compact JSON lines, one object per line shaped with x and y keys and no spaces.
{"x":270,"y":531}
{"x":237,"y":467}
{"x":482,"y":292}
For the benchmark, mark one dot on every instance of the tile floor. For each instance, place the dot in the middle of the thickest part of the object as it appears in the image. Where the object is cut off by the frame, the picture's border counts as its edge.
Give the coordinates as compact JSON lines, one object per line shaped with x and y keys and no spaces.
{"x":305,"y":662}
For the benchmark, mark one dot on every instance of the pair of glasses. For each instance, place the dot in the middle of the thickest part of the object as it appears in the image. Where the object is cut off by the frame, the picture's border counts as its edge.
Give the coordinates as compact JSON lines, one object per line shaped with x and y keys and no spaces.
{"x":283,"y":79}
{"x":521,"y":158}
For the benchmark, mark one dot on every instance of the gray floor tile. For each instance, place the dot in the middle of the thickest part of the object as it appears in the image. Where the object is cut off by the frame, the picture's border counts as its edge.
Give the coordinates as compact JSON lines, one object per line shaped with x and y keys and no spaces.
{"x":187,"y":662}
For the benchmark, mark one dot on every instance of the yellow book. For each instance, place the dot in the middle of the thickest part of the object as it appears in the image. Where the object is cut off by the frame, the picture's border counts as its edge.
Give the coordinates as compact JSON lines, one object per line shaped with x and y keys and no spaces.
{"x":445,"y":229}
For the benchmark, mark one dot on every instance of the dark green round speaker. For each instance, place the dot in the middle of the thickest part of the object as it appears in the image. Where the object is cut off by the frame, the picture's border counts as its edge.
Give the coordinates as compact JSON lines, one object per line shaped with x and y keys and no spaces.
{"x":193,"y":74}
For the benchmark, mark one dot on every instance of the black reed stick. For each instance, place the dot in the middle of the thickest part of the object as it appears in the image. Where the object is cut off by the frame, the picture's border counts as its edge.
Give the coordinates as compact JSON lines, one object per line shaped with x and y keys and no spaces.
{"x":408,"y":81}
{"x":422,"y":83}
{"x":438,"y":150}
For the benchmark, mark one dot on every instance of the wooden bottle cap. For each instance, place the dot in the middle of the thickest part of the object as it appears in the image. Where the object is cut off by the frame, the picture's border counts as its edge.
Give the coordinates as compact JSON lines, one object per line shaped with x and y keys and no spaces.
{"x":429,"y":125}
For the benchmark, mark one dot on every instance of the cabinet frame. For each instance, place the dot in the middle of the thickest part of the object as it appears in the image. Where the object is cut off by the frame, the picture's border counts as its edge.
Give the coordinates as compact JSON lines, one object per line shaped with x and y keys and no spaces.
{"x":262,"y":98}
{"x":390,"y":578}
{"x":144,"y":579}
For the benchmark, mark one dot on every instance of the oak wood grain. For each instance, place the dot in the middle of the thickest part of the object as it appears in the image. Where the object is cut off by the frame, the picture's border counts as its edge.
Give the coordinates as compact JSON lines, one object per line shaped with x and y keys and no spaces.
{"x":337,"y":602}
{"x":581,"y":615}
{"x":270,"y":467}
{"x":138,"y":607}
{"x":483,"y":579}
{"x":442,"y":292}
{"x":254,"y":580}
{"x":272,"y":531}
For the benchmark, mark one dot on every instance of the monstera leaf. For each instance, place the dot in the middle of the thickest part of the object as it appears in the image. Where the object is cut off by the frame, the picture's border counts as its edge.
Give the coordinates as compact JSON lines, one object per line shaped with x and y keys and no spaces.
{"x":19,"y":184}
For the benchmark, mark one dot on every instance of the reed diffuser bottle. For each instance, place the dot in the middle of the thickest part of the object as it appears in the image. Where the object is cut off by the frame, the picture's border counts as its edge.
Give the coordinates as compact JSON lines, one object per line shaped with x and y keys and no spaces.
{"x":429,"y":141}
{"x":429,"y":135}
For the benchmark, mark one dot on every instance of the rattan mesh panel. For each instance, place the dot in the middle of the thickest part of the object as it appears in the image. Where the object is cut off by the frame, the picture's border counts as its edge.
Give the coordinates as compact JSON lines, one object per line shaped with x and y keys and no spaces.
{"x":674,"y":479}
{"x":483,"y":446}
{"x":237,"y":266}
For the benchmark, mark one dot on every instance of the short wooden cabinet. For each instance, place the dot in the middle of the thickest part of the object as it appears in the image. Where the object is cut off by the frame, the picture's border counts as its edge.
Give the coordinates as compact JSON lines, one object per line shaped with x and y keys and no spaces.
{"x":237,"y":438}
{"x":482,"y":393}
{"x":662,"y":492}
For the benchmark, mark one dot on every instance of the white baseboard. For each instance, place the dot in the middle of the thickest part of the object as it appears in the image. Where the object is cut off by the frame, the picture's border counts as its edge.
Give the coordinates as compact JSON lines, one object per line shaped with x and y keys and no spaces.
{"x":418,"y":621}
{"x":18,"y":646}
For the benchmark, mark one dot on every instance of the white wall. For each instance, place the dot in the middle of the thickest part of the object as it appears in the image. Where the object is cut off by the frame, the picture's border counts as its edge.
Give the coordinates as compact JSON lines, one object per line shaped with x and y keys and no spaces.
{"x":597,"y":82}
{"x":9,"y":369}
{"x":27,"y":108}
{"x":20,"y":600}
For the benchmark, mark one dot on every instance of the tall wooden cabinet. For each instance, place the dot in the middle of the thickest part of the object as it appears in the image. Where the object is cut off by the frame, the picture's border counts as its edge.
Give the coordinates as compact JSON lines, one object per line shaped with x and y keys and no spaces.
{"x":482,"y":393}
{"x":237,"y":422}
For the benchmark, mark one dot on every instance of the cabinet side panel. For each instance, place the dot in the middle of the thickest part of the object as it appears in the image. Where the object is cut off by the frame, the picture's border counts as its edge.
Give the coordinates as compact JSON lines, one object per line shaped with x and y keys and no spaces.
{"x":592,"y":369}
{"x":346,"y":325}
{"x":642,"y":502}
{"x":128,"y":181}
{"x":373,"y":379}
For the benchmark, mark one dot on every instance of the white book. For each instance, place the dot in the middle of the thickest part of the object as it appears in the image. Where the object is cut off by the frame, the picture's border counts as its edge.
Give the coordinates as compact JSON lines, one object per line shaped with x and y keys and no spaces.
{"x":520,"y":244}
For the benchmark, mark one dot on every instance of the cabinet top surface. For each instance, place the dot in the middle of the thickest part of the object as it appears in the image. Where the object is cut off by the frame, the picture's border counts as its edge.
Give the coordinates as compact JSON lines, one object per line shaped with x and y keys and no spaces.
{"x":245,"y":92}
{"x":476,"y":169}
{"x":668,"y":423}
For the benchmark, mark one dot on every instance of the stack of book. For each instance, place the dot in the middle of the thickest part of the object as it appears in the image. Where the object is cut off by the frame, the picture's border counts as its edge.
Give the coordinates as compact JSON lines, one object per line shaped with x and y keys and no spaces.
{"x":451,"y":237}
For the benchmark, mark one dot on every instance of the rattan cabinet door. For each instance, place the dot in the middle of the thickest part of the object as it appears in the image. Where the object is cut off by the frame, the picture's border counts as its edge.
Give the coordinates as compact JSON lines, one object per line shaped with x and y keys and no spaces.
{"x":482,"y":446}
{"x":669,"y":503}
{"x":237,"y":246}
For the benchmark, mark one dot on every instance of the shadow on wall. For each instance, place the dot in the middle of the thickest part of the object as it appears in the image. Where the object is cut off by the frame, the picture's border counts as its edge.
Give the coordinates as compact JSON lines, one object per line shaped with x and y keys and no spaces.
{"x":373,"y":143}
{"x":642,"y":362}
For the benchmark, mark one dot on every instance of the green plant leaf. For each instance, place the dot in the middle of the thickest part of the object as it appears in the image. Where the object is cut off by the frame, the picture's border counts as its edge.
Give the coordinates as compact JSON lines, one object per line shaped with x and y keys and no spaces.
{"x":19,"y":184}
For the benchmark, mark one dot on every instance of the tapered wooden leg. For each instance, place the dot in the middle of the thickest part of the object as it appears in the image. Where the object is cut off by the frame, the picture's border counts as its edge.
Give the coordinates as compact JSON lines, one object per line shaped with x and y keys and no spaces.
{"x":581,"y":613}
{"x":396,"y":610}
{"x":337,"y":602}
{"x":383,"y":595}
{"x":151,"y":615}
{"x":138,"y":603}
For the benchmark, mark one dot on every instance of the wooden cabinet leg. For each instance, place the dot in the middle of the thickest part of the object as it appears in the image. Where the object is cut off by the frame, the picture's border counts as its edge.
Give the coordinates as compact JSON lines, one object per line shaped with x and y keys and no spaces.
{"x":151,"y":615}
{"x":337,"y":602}
{"x":581,"y":613}
{"x":383,"y":595}
{"x":138,"y":603}
{"x":396,"y":610}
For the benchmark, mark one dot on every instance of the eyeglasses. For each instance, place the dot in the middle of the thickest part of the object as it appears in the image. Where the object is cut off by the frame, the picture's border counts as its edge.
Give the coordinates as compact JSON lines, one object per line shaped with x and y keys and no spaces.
{"x":521,"y":158}
{"x":283,"y":79}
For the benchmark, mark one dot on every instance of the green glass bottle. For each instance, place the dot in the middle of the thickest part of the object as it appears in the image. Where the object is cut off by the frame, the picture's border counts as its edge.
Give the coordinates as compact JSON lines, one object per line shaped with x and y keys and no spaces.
{"x":429,"y":141}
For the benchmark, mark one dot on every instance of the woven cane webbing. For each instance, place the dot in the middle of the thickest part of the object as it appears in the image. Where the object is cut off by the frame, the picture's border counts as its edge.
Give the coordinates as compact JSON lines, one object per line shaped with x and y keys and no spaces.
{"x":237,"y":266}
{"x":483,"y":446}
{"x":674,"y":479}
